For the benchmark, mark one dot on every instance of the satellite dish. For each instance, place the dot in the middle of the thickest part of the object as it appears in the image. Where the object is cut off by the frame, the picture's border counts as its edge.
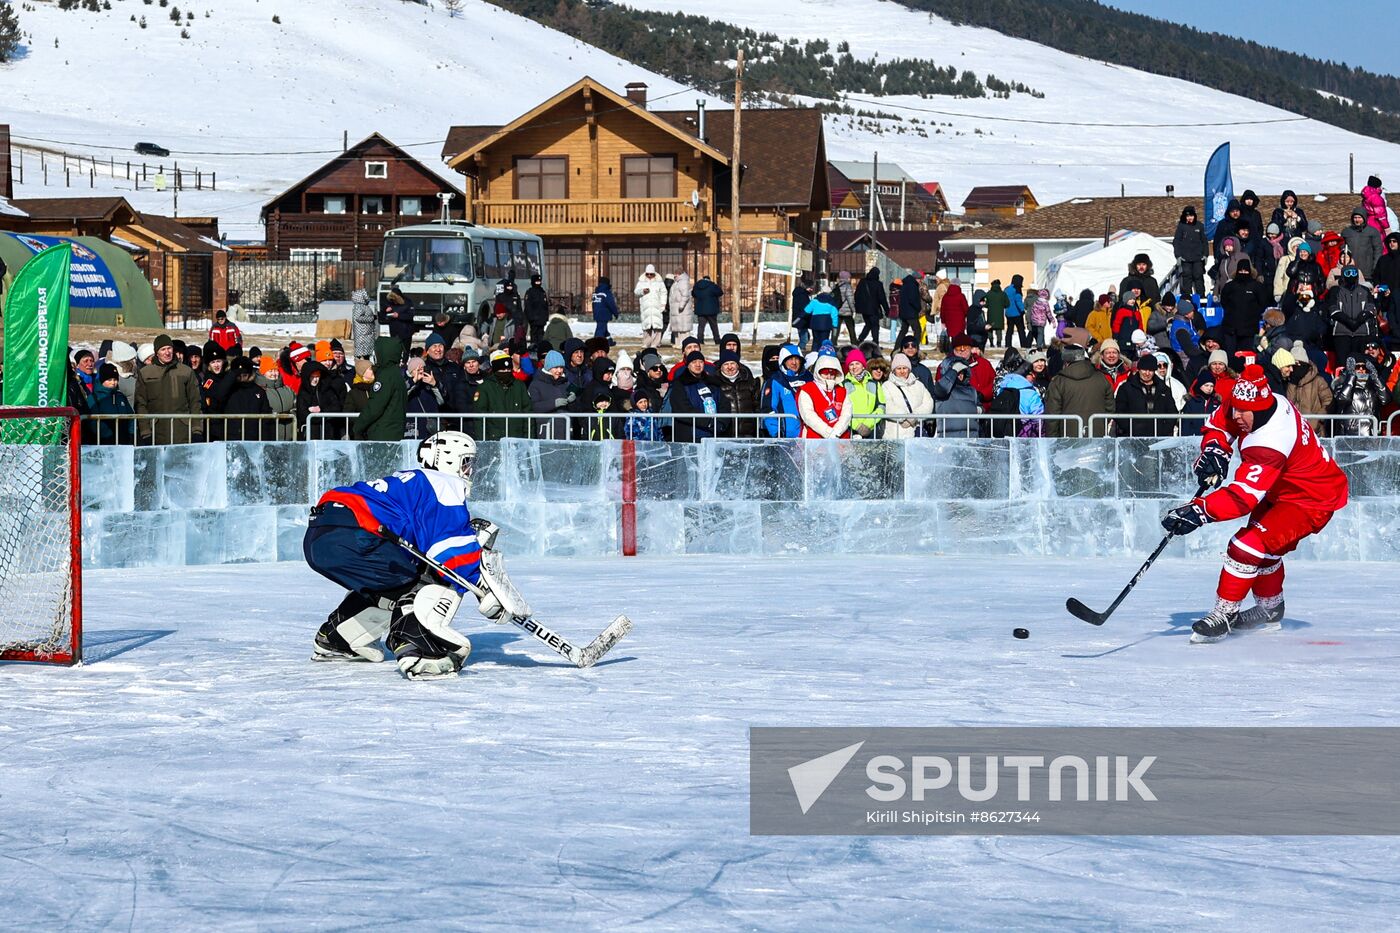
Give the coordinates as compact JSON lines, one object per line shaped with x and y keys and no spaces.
{"x":694,"y":198}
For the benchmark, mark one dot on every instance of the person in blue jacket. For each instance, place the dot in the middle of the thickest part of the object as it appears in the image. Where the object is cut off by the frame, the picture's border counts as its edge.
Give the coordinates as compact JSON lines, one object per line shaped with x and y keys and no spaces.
{"x":823,"y":315}
{"x":352,"y":539}
{"x":1016,"y":311}
{"x":780,"y":394}
{"x":604,"y":308}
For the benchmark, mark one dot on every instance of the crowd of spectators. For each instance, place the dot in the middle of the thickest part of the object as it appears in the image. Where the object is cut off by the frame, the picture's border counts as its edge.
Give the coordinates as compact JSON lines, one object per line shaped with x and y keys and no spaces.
{"x":1316,"y":309}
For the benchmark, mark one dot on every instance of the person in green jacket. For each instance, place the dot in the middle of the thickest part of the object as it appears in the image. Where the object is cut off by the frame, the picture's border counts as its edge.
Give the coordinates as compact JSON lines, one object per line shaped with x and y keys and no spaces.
{"x":383,"y":417}
{"x":865,"y":395}
{"x":997,"y":303}
{"x":502,"y":394}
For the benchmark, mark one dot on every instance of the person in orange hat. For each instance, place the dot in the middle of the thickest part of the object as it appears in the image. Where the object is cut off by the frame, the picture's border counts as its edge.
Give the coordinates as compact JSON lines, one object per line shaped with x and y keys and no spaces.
{"x":1286,"y":482}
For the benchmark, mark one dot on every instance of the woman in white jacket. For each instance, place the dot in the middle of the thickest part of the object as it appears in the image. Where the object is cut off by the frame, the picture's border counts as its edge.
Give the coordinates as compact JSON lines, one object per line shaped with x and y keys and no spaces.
{"x":682,"y":309}
{"x":905,"y":395}
{"x":651,"y":300}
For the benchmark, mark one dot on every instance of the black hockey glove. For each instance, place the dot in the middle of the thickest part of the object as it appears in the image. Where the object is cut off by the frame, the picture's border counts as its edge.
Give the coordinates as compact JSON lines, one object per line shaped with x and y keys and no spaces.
{"x":1212,"y":465}
{"x":1185,"y":519}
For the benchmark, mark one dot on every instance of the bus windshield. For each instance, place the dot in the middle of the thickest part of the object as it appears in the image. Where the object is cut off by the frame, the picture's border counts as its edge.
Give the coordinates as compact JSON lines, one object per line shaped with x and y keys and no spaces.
{"x":427,"y":259}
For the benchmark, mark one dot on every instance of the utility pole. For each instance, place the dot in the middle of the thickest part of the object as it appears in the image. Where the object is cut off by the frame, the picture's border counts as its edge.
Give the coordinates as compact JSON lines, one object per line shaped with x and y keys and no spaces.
{"x":874,"y":196}
{"x":734,"y":163}
{"x":176,"y":189}
{"x":1351,"y":173}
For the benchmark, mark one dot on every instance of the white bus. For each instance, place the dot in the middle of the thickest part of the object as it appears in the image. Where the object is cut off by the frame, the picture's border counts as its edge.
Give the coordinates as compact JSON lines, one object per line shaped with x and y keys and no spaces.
{"x":457,"y":267}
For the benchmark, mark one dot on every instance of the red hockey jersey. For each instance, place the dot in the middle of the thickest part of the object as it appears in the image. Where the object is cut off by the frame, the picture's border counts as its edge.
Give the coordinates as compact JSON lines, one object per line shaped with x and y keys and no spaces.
{"x":1282,"y":461}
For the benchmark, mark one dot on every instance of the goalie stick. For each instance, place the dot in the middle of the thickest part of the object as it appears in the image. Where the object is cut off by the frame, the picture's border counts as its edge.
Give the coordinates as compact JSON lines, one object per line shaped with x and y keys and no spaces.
{"x":586,"y":656}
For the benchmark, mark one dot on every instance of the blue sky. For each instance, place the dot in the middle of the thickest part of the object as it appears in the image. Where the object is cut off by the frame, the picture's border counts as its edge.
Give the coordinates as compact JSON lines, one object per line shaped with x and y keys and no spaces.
{"x":1367,"y":34}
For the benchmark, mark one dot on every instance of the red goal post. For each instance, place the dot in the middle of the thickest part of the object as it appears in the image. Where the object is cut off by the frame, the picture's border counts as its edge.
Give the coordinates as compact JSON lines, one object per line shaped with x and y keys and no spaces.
{"x":40,"y":536}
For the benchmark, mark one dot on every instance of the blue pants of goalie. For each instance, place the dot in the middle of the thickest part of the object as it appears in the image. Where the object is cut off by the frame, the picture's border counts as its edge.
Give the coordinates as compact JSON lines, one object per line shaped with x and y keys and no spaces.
{"x":340,"y":550}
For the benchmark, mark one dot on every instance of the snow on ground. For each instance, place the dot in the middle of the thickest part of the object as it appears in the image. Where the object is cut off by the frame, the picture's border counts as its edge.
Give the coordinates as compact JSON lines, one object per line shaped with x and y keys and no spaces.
{"x":243,"y":84}
{"x":200,"y":771}
{"x":1059,"y":161}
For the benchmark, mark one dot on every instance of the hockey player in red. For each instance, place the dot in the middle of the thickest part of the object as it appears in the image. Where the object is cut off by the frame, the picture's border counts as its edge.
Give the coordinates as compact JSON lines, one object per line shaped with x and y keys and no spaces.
{"x":1288,"y":485}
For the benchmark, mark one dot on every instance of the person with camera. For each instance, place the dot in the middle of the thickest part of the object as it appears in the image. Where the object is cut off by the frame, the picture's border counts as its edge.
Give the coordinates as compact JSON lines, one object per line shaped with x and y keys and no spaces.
{"x":954,"y":394}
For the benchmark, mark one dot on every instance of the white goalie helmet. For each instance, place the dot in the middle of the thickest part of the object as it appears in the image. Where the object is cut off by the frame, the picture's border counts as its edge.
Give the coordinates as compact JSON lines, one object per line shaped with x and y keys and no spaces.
{"x":451,"y":452}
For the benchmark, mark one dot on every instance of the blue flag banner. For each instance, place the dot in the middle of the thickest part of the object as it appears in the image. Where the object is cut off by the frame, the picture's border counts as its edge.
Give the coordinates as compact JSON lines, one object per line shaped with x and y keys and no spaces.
{"x":1220,"y":188}
{"x":91,"y":284}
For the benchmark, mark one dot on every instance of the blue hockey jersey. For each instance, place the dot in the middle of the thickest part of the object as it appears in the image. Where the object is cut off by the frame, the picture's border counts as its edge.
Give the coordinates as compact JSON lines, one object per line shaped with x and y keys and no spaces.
{"x":426,"y":508}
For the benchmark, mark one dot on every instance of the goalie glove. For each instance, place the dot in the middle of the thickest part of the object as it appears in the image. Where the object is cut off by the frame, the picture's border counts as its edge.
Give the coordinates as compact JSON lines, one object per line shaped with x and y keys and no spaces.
{"x":1185,"y":519}
{"x":486,"y":532}
{"x":1212,"y":464}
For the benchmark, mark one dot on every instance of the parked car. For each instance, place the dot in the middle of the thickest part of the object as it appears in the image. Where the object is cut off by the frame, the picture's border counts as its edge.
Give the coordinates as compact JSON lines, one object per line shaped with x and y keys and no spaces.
{"x":151,"y":149}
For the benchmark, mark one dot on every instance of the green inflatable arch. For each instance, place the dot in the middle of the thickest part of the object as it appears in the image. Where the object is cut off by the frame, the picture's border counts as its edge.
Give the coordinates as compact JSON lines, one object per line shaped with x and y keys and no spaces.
{"x":107,"y":289}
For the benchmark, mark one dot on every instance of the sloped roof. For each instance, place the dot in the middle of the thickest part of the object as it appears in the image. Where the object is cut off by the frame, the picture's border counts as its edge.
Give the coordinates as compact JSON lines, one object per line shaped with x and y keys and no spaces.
{"x":110,"y":208}
{"x":351,"y":154}
{"x":1086,"y":218}
{"x":783,"y":153}
{"x":176,"y":234}
{"x":462,"y":138}
{"x":861,"y":171}
{"x":9,"y":210}
{"x":995,"y":196}
{"x":617,"y":100}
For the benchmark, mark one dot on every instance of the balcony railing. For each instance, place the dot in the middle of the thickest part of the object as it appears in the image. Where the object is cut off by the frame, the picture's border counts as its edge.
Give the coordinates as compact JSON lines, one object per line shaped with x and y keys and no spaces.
{"x":619,"y":212}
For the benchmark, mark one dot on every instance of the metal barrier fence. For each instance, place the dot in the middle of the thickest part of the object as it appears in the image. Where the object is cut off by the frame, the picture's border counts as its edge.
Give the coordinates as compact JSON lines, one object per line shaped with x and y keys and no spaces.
{"x":562,"y":426}
{"x":1188,"y":424}
{"x":145,"y":430}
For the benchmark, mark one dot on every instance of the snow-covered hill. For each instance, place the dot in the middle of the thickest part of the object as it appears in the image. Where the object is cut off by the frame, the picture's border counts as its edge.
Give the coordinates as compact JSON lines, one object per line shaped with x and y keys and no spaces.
{"x":263,"y":103}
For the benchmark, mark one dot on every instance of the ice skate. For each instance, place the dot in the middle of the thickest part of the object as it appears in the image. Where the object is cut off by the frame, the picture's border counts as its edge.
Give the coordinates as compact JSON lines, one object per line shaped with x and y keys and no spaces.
{"x":1215,"y":626}
{"x":1264,"y":616}
{"x":330,"y":645}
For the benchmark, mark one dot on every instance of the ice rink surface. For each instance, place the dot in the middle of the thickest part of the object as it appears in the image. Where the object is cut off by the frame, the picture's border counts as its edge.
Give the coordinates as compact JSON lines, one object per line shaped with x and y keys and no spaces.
{"x":200,"y":772}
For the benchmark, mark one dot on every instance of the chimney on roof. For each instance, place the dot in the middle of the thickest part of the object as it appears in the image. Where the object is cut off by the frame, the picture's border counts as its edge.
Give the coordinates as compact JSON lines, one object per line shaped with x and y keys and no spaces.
{"x":700,"y":122}
{"x":637,"y":93}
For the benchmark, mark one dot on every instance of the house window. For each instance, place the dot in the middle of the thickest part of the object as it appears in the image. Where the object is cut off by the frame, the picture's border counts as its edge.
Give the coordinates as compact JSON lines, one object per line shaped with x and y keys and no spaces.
{"x":376,"y":169}
{"x":542,"y":179}
{"x":848,"y":213}
{"x":889,"y":189}
{"x":371,"y":205}
{"x":649,"y":177}
{"x":334,"y":204}
{"x":411,"y":206}
{"x":316,"y":255}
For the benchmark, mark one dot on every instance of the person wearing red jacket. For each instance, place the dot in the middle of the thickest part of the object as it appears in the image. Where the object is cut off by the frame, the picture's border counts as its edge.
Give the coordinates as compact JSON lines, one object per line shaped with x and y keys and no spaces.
{"x":226,"y":335}
{"x":1288,"y":485}
{"x":982,"y":375}
{"x":821,"y":403}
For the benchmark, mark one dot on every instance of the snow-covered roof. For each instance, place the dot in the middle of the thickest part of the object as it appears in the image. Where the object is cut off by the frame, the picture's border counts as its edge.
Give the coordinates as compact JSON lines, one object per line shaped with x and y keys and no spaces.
{"x":10,"y":210}
{"x":861,"y":171}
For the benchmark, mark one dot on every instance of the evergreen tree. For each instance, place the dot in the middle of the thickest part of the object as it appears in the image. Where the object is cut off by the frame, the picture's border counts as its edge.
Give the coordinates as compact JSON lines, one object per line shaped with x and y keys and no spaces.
{"x":9,"y":32}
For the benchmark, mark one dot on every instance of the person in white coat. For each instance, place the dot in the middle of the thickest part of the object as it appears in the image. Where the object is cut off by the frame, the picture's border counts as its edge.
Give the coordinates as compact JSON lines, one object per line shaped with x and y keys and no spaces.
{"x":651,"y":301}
{"x":682,"y":308}
{"x":905,"y":395}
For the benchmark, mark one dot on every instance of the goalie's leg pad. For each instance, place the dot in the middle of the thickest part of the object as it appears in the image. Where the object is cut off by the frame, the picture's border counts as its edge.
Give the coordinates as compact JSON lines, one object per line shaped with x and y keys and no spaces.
{"x":426,"y":646}
{"x":351,"y":631}
{"x":500,"y":600}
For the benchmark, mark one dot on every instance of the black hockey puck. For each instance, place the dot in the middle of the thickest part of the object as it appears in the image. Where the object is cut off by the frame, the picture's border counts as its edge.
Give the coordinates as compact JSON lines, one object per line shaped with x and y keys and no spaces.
{"x":1021,"y":633}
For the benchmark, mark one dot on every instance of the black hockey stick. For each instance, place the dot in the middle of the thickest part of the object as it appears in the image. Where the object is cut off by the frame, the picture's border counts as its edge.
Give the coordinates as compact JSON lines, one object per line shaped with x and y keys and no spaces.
{"x":1081,"y":611}
{"x":587,"y":656}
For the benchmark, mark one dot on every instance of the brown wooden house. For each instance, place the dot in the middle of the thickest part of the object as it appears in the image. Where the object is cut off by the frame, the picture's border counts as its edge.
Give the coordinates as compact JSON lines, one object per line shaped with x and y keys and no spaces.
{"x":342,"y":210}
{"x":987,"y":203}
{"x":612,"y":186}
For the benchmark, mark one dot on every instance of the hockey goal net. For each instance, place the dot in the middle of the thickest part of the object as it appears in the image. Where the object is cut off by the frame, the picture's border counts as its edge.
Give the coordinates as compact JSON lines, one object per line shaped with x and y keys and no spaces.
{"x":40,"y":543}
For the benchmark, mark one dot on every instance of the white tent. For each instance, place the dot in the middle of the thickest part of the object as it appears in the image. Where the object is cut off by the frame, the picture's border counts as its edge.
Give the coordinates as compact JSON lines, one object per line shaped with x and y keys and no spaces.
{"x":1097,"y":267}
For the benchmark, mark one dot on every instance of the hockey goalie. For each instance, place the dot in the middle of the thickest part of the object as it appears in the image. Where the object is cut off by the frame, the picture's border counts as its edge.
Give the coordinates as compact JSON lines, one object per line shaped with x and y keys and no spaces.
{"x":1286,"y":483}
{"x":353,"y":539}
